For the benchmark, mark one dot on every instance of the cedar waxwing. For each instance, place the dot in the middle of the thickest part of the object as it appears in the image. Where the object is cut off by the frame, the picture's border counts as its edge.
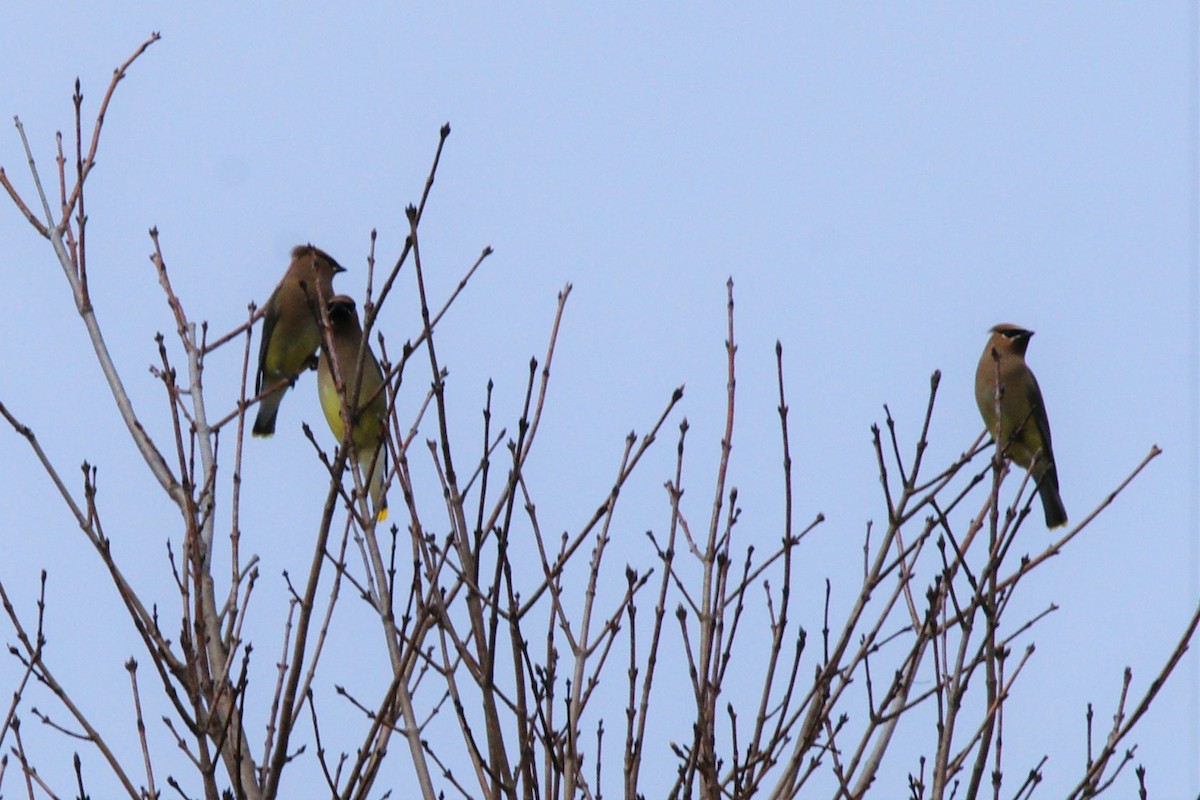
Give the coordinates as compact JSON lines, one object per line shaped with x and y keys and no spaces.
{"x":291,"y":330}
{"x":370,"y":422}
{"x":1023,"y":431}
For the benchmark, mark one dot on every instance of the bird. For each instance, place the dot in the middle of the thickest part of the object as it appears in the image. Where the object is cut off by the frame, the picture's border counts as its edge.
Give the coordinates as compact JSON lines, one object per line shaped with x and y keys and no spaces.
{"x":291,"y":330}
{"x":1022,"y":431}
{"x":336,"y":389}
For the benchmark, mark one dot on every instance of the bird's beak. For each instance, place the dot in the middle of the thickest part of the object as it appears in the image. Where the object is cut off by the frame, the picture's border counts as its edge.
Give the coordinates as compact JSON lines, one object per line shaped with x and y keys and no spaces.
{"x":338,"y":268}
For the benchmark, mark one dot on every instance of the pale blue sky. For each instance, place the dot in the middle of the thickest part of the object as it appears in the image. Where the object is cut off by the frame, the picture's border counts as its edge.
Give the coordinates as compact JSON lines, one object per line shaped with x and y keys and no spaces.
{"x":883,"y":183}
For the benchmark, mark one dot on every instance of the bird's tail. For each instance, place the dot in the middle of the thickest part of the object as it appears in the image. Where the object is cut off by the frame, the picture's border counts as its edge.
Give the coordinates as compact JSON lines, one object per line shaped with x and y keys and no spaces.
{"x":1052,"y":504}
{"x":376,"y":463}
{"x":268,"y":407}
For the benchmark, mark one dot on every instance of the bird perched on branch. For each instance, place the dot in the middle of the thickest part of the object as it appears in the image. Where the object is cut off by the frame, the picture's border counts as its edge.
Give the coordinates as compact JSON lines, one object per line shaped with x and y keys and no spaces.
{"x":337,"y":389}
{"x":1021,"y":430}
{"x":291,"y":331}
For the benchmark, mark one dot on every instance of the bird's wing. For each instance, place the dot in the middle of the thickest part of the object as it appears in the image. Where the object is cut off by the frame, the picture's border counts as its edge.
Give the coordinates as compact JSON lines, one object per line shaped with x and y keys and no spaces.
{"x":1040,"y":420}
{"x":267,"y":329}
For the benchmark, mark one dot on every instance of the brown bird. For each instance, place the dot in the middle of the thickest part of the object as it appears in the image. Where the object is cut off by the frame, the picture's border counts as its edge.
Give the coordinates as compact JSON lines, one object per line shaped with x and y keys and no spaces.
{"x":291,"y":330}
{"x":1022,"y":431}
{"x":369,"y":422}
